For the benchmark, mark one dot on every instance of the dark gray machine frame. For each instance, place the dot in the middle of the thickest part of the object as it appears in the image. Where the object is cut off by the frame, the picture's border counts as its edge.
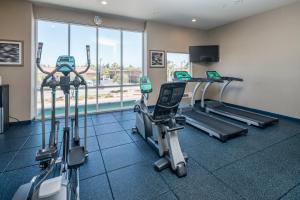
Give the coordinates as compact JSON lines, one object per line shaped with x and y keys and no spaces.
{"x":218,"y":107}
{"x":216,"y":127}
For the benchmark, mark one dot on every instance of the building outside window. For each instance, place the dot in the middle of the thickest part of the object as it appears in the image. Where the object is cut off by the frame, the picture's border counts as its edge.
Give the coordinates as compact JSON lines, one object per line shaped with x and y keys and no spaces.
{"x":177,"y":62}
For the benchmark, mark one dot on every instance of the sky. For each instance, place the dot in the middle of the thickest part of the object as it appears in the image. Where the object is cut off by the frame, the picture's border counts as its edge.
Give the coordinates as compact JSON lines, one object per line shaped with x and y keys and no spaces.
{"x":55,"y":38}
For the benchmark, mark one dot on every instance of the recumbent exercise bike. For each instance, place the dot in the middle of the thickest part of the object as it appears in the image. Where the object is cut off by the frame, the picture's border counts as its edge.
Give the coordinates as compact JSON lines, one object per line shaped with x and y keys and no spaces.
{"x":159,"y":128}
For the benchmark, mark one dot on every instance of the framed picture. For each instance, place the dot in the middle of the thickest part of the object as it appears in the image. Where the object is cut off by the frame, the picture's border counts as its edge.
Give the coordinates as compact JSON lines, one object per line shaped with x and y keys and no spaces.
{"x":11,"y":52}
{"x":157,"y":59}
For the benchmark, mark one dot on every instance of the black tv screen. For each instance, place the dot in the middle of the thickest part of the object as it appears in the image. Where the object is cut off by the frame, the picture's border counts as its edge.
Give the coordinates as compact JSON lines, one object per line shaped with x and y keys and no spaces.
{"x":208,"y":53}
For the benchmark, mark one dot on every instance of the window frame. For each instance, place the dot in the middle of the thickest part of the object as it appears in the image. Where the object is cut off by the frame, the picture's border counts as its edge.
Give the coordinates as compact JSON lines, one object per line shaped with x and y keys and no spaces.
{"x":173,"y":52}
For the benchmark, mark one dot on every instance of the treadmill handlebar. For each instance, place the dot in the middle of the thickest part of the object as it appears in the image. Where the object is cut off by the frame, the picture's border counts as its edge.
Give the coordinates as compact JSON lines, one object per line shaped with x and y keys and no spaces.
{"x":226,"y":78}
{"x":196,"y":80}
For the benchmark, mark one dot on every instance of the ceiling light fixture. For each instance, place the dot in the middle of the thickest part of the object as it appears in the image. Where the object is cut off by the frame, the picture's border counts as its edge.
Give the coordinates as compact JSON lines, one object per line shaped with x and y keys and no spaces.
{"x":104,"y":2}
{"x":194,"y":20}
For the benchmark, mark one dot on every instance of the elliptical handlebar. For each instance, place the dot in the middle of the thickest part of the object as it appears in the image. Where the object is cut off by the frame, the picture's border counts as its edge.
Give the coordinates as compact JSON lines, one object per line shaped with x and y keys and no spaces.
{"x":39,"y":55}
{"x":38,"y":58}
{"x":88,"y":57}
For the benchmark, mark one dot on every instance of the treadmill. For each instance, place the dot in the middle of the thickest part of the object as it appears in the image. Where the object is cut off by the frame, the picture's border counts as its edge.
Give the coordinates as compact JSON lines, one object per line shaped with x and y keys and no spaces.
{"x":218,"y":107}
{"x":195,"y":117}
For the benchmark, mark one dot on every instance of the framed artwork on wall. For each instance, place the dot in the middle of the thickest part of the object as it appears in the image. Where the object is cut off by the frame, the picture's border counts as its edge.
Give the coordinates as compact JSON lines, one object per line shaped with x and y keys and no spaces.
{"x":11,"y":53}
{"x":157,"y":59}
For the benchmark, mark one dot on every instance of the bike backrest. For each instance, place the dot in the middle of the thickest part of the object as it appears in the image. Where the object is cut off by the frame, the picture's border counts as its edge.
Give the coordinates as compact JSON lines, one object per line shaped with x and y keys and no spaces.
{"x":168,"y":101}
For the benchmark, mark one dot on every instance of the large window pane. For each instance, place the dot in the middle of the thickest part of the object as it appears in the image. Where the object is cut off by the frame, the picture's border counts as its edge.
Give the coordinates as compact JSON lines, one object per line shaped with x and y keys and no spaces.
{"x":80,"y":37}
{"x":130,"y":95}
{"x":177,"y":62}
{"x":55,"y":38}
{"x":132,"y":57}
{"x":112,"y":52}
{"x":109,"y":98}
{"x":109,"y":56}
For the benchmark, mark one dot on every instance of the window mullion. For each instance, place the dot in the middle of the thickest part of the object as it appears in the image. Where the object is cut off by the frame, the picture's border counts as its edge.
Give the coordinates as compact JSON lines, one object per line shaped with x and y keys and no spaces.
{"x":97,"y":70}
{"x":121,"y":68}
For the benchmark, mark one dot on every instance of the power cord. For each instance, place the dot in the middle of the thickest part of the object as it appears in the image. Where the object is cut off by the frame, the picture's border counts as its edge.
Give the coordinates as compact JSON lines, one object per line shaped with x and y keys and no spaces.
{"x":14,"y":118}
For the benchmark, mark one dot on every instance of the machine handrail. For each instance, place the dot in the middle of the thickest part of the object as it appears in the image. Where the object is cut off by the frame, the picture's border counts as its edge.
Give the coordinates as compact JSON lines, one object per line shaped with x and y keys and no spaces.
{"x":38,"y":63}
{"x":228,"y":78}
{"x":38,"y":58}
{"x":88,"y":56}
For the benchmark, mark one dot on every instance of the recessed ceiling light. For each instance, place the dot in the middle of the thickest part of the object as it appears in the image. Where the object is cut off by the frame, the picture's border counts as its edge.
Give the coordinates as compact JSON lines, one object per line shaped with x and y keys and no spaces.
{"x":104,"y":2}
{"x":194,"y":20}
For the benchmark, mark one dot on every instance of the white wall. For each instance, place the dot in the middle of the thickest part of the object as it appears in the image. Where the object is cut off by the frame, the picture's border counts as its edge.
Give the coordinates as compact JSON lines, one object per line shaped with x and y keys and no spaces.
{"x":265,"y":51}
{"x":16,"y":24}
{"x":169,"y":38}
{"x":69,"y":15}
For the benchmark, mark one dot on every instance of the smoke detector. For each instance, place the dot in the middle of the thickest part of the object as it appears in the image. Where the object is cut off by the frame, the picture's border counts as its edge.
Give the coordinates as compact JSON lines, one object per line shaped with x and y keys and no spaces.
{"x":98,"y":20}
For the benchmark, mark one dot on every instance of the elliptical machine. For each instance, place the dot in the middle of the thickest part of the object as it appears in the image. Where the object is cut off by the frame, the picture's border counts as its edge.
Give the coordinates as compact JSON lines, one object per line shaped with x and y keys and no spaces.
{"x":66,"y":185}
{"x":159,"y":128}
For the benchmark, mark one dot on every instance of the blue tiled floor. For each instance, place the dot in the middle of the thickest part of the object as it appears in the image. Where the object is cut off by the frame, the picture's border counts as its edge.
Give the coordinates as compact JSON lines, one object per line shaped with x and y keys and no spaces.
{"x":265,"y":164}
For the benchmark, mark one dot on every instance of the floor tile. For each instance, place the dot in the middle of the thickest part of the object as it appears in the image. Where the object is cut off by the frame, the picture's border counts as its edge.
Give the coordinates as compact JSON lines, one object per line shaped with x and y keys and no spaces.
{"x":12,"y":144}
{"x":211,"y":154}
{"x":89,"y":122}
{"x":294,"y":194}
{"x":209,"y":188}
{"x":128,"y":124}
{"x":134,"y":136}
{"x":267,"y":174}
{"x":113,"y":139}
{"x":5,"y":159}
{"x":121,"y":156}
{"x":108,"y":128}
{"x":147,"y":151}
{"x":166,"y":196}
{"x":195,"y":174}
{"x":138,"y":181}
{"x":10,"y":181}
{"x":96,"y":187}
{"x":35,"y":141}
{"x":93,"y":166}
{"x":92,"y":144}
{"x":124,"y":116}
{"x":23,"y":158}
{"x":89,"y":130}
{"x":103,"y":119}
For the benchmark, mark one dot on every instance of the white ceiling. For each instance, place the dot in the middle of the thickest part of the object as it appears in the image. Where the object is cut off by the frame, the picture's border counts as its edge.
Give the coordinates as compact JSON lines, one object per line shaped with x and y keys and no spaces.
{"x":209,"y":13}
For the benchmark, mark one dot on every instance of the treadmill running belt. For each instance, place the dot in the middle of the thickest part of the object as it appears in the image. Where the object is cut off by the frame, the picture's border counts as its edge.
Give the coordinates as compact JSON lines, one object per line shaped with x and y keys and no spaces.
{"x":253,"y":116}
{"x":220,"y":127}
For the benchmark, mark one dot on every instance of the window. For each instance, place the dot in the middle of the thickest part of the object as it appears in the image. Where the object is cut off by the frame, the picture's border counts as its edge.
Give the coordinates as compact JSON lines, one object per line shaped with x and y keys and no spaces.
{"x":177,"y":62}
{"x":78,"y":50}
{"x":132,"y":57}
{"x":113,"y":79}
{"x":55,"y":38}
{"x":132,"y":66}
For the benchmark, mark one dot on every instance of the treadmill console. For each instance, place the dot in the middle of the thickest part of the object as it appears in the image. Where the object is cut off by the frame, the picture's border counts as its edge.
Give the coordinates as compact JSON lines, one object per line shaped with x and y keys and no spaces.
{"x":182,"y":76}
{"x":213,"y":75}
{"x":145,"y":85}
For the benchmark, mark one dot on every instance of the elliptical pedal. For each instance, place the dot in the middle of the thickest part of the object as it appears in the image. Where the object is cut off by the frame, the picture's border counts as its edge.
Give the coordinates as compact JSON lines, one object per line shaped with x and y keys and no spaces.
{"x":76,"y":157}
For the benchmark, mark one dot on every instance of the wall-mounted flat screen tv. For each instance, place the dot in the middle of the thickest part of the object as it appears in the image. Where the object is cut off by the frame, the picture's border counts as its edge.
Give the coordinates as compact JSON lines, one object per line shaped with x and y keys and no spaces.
{"x":209,"y":53}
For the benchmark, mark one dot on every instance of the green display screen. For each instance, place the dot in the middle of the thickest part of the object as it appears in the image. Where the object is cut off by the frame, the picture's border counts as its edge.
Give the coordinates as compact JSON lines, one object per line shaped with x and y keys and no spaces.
{"x":62,"y":61}
{"x":182,"y":75}
{"x":145,"y":85}
{"x":213,"y":75}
